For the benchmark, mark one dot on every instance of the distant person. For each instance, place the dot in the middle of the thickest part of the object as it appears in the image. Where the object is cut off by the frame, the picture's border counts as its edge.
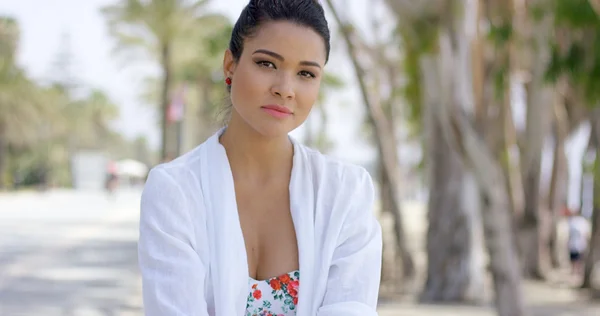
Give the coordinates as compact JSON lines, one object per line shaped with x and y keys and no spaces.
{"x":112,"y":179}
{"x":579,"y":234}
{"x":251,"y":222}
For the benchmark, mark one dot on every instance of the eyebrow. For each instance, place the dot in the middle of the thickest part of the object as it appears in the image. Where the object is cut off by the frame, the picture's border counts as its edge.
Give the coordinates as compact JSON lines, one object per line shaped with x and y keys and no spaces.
{"x":279,"y":57}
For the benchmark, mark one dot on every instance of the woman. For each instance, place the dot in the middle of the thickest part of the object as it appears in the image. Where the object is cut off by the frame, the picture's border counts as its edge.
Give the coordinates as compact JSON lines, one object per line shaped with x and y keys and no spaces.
{"x":251,"y":222}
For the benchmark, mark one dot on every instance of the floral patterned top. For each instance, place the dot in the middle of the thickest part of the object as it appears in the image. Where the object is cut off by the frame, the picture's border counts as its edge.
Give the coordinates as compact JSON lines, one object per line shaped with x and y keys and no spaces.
{"x":277,"y":296}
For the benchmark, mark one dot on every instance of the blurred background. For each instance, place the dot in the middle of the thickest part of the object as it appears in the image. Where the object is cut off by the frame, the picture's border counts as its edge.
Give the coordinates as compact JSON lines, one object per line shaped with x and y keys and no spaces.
{"x":479,"y":120}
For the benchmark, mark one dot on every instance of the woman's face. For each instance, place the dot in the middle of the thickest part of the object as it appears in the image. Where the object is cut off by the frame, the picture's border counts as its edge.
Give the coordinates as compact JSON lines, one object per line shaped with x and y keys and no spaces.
{"x":276,"y":81}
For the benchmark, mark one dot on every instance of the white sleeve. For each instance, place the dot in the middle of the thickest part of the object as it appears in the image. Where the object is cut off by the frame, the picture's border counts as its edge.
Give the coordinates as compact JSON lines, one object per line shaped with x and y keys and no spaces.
{"x":354,"y":274}
{"x":172,"y":272}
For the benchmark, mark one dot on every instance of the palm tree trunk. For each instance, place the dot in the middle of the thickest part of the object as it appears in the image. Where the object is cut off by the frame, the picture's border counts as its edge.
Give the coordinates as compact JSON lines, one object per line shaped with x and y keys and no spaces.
{"x":3,"y":153}
{"x":206,"y":125}
{"x":388,"y":197}
{"x":533,"y":223}
{"x":495,"y":201}
{"x":455,"y":270}
{"x":593,"y":256}
{"x":386,"y":144}
{"x":452,"y":272}
{"x":164,"y":101}
{"x":557,"y":194}
{"x":504,"y":264}
{"x":388,"y":268}
{"x":478,"y":71}
{"x":596,"y":5}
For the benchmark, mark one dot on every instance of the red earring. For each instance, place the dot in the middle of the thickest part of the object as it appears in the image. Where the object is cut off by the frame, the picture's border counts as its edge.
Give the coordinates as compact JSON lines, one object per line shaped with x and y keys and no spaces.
{"x":228,"y":81}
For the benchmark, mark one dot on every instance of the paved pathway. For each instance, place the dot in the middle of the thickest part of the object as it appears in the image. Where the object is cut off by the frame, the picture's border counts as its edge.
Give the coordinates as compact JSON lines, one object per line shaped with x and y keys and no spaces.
{"x":74,"y":254}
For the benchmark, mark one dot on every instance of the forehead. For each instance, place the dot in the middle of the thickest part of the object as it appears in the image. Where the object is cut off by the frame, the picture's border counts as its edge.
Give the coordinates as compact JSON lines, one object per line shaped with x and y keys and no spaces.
{"x":292,"y":41}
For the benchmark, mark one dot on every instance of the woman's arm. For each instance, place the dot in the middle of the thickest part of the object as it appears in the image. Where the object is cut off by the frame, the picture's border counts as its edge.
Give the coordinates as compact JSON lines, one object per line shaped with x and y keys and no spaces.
{"x":172,"y":272}
{"x":354,"y":274}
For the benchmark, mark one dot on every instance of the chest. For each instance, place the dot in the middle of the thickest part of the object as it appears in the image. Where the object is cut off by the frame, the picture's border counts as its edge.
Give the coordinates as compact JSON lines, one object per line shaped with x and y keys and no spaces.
{"x":268,"y":229}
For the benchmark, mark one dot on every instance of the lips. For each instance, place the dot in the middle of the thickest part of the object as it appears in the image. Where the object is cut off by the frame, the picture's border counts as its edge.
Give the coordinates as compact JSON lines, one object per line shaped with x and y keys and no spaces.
{"x":277,"y":111}
{"x":277,"y":108}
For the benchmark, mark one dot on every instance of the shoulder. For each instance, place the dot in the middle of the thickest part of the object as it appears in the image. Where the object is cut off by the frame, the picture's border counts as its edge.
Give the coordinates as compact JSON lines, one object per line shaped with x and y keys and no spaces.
{"x":344,"y":198}
{"x":343,"y":191}
{"x":183,"y":171}
{"x":180,"y":167}
{"x":339,"y":175}
{"x":177,"y":182}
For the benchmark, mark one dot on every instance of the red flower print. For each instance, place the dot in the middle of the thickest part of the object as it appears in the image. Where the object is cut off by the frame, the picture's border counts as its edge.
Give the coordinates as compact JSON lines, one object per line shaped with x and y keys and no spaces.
{"x":293,"y":288}
{"x":280,"y":295}
{"x":285,"y":279}
{"x":293,"y":292}
{"x":275,"y":284}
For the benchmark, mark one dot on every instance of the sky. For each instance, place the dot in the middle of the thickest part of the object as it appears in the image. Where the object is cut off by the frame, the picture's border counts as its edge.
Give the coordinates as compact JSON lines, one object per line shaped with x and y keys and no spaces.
{"x":44,"y":23}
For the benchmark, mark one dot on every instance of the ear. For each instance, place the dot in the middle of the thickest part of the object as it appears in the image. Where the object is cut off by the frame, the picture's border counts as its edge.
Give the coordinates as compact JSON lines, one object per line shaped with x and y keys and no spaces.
{"x":229,"y":64}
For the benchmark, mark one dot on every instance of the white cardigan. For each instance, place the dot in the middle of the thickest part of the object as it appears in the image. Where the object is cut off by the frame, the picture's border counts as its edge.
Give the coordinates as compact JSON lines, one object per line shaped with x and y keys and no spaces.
{"x":191,"y":248}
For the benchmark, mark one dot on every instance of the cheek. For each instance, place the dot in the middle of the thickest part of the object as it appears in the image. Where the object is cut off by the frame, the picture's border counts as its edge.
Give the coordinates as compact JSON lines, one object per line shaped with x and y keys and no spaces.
{"x":307,"y":95}
{"x":248,"y":86}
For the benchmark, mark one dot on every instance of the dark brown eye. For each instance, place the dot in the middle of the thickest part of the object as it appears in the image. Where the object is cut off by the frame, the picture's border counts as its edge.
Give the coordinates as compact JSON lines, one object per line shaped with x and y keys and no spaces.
{"x":264,"y":63}
{"x":307,"y":74}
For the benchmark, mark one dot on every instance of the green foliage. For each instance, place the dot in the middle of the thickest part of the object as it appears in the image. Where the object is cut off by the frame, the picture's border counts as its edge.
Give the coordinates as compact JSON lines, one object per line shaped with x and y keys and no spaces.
{"x":538,"y":11}
{"x":9,"y":36}
{"x":576,"y":14}
{"x":332,"y":81}
{"x":418,"y":40}
{"x":501,"y":34}
{"x":197,"y":63}
{"x":44,"y":125}
{"x":150,"y":25}
{"x":412,"y":90}
{"x":500,"y":81}
{"x":184,"y":40}
{"x":579,"y":61}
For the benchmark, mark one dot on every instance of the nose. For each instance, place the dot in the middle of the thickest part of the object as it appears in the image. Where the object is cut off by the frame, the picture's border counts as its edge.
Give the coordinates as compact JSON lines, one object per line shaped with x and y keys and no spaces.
{"x":283,"y":88}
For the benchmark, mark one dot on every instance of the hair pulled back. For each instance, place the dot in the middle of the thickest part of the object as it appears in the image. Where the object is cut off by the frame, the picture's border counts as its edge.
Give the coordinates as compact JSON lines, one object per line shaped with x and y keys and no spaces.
{"x":307,"y":13}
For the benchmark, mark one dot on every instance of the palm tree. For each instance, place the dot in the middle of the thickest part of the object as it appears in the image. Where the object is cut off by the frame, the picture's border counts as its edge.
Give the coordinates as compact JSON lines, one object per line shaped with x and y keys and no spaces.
{"x":442,"y":71}
{"x":153,"y":27}
{"x":385,"y":138}
{"x":89,"y":120}
{"x":578,"y":23}
{"x":9,"y":34}
{"x":197,"y":65}
{"x":21,"y":109}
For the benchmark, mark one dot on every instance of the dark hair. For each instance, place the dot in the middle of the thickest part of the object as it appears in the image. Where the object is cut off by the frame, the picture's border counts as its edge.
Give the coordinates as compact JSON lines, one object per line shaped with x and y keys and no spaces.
{"x":307,"y":13}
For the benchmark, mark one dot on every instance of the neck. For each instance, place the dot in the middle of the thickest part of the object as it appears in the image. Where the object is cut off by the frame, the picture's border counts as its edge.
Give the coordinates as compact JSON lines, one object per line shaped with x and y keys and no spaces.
{"x":253,"y":156}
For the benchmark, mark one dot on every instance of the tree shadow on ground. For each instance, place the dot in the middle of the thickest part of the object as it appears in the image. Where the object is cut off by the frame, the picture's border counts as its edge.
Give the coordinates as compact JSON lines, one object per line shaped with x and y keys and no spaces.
{"x":97,"y":277}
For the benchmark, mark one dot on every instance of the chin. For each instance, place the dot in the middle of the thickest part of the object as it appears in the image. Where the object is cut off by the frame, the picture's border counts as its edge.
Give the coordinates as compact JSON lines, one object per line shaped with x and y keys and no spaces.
{"x":270,"y":128}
